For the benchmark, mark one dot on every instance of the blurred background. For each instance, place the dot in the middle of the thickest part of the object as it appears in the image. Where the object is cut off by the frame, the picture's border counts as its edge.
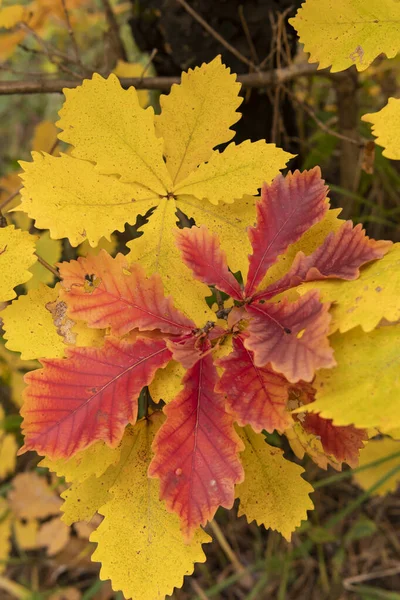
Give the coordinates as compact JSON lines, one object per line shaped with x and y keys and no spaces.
{"x":350,"y":547}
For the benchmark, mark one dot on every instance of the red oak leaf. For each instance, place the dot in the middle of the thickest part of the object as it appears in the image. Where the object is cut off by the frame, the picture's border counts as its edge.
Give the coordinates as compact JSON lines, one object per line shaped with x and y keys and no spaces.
{"x":107,"y":292}
{"x":288,"y":207}
{"x":202,"y":253}
{"x":292,"y":336}
{"x":90,"y":395}
{"x":343,"y":444}
{"x":340,"y":256}
{"x":189,"y":349}
{"x":255,"y":396}
{"x":196,"y":450}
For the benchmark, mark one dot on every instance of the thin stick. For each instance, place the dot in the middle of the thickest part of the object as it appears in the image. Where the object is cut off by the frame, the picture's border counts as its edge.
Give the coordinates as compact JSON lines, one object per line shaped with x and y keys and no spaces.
{"x":147,"y":65}
{"x":71,"y":33}
{"x":114,"y":30}
{"x":47,"y":266}
{"x":237,"y":565}
{"x":11,"y":197}
{"x":216,"y":35}
{"x":246,"y":30}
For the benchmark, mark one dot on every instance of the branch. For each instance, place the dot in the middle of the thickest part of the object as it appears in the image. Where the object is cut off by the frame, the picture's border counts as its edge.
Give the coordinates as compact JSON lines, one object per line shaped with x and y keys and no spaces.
{"x":250,"y":80}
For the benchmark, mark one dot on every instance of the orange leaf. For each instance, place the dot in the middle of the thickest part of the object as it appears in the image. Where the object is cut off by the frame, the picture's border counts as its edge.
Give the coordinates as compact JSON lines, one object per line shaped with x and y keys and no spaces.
{"x":255,"y":396}
{"x":292,"y":336}
{"x":196,"y":450}
{"x":107,"y":292}
{"x":91,"y":395}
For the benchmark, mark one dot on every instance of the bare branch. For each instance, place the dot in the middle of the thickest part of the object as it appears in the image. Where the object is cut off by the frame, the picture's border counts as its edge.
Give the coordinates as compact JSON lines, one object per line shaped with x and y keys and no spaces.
{"x":113,"y":26}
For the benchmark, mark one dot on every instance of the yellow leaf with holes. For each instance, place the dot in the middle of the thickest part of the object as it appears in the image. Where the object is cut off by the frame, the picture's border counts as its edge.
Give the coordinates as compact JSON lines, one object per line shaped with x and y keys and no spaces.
{"x":5,"y":533}
{"x":136,"y":520}
{"x":71,"y":199}
{"x":343,"y":33}
{"x":29,"y":327}
{"x":373,"y":451}
{"x":273,"y":491}
{"x":50,"y":250}
{"x":17,"y":250}
{"x":83,"y":499}
{"x":45,"y":137}
{"x":12,"y":15}
{"x":126,"y":69}
{"x":364,"y":389}
{"x":386,"y":127}
{"x":374,"y":296}
{"x":197,"y":115}
{"x":237,"y":171}
{"x":107,"y":125}
{"x":8,"y":450}
{"x":167,"y":382}
{"x":157,"y":252}
{"x":229,"y":222}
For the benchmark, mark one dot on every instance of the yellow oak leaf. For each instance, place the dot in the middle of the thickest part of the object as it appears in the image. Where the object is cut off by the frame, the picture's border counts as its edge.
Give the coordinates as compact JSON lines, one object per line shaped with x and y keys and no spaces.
{"x":107,"y":125}
{"x":17,"y":250}
{"x":273,"y":492}
{"x":375,"y":450}
{"x":367,"y":300}
{"x":50,"y":250}
{"x":363,"y":390}
{"x":8,"y":450}
{"x":85,"y":249}
{"x":237,"y":171}
{"x":29,"y":327}
{"x":45,"y":137}
{"x":12,"y":15}
{"x":229,"y":222}
{"x":157,"y":252}
{"x":197,"y":115}
{"x":394,"y":433}
{"x":83,"y":499}
{"x":85,"y":336}
{"x":5,"y":533}
{"x":386,"y":128}
{"x":126,"y":69}
{"x":71,"y":199}
{"x":302,"y":442}
{"x":167,"y":382}
{"x":343,"y":33}
{"x":136,"y":520}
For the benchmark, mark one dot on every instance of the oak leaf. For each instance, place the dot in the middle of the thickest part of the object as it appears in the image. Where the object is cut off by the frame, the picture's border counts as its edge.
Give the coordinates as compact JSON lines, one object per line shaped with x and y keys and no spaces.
{"x":377,"y":449}
{"x":90,"y":395}
{"x":273,"y":491}
{"x":385,"y":127}
{"x":196,"y":450}
{"x":343,"y":33}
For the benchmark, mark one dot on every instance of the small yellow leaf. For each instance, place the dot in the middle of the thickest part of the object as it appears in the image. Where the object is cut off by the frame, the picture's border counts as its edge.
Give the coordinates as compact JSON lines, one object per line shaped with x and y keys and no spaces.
{"x":8,"y":450}
{"x":273,"y":492}
{"x":363,"y":390}
{"x":12,"y":15}
{"x":229,"y":222}
{"x":343,"y":33}
{"x":197,"y":115}
{"x":375,"y":450}
{"x":32,"y":498}
{"x":71,"y":199}
{"x":53,"y":535}
{"x":136,"y":520}
{"x":50,"y":250}
{"x":237,"y":171}
{"x":157,"y":252}
{"x":16,"y":257}
{"x":374,"y":296}
{"x":167,"y":382}
{"x":126,"y":69}
{"x":386,"y":127}
{"x":107,"y":125}
{"x":29,"y":326}
{"x":5,"y":533}
{"x":45,"y":137}
{"x":26,"y":534}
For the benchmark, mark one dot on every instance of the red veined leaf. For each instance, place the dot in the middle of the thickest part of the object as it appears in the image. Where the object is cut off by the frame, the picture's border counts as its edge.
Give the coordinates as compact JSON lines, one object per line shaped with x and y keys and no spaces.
{"x":255,"y":396}
{"x":342,"y":444}
{"x":189,"y":349}
{"x":90,"y":395}
{"x":202,"y":253}
{"x":340,"y":256}
{"x":288,"y":207}
{"x":292,"y":336}
{"x":196,"y":450}
{"x":107,"y":292}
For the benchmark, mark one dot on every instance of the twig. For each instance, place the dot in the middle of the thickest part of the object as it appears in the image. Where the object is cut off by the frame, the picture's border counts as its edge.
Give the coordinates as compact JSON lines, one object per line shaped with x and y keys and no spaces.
{"x":11,"y":197}
{"x":147,"y":65}
{"x":47,"y":266}
{"x":250,"y":80}
{"x":71,"y":33}
{"x":246,"y":30}
{"x":349,"y":582}
{"x":216,"y":35}
{"x":237,"y":565}
{"x":114,"y":31}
